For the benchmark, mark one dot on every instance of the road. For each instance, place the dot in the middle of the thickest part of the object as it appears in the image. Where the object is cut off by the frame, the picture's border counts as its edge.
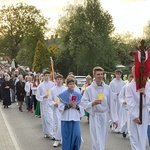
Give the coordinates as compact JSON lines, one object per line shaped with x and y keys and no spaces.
{"x":26,"y":130}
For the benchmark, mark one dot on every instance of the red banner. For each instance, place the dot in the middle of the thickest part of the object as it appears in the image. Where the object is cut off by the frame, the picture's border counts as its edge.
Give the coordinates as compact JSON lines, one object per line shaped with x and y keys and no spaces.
{"x":137,"y":69}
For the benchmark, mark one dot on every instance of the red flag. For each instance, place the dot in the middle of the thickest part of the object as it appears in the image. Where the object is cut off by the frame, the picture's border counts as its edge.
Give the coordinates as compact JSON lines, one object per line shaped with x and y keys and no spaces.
{"x":52,"y":69}
{"x":137,"y":69}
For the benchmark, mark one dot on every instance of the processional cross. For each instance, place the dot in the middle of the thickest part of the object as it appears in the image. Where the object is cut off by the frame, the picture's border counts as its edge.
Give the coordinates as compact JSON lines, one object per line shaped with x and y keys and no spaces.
{"x":142,"y":69}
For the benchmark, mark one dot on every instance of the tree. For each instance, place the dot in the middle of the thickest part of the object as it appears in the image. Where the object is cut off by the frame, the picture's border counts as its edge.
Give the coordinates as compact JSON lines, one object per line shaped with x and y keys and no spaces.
{"x":41,"y":57}
{"x":85,"y":35}
{"x":18,"y":23}
{"x":28,"y":47}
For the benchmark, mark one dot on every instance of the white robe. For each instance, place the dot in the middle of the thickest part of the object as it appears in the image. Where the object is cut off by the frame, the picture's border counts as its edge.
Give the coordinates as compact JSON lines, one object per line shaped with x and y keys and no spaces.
{"x":123,"y":109}
{"x":116,"y":86}
{"x":46,"y":110}
{"x":55,"y":91}
{"x":138,"y":132}
{"x":99,"y":113}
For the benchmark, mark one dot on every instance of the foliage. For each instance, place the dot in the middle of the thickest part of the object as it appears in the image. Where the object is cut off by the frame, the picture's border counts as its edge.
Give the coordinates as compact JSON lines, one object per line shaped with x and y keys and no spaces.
{"x":53,"y":49}
{"x":19,"y":24}
{"x":41,"y":57}
{"x":85,"y":38}
{"x":124,"y":45}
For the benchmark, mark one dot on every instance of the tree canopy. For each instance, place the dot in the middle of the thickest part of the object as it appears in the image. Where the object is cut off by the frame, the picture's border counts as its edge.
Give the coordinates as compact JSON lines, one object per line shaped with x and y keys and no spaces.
{"x":17,"y":24}
{"x":85,"y":38}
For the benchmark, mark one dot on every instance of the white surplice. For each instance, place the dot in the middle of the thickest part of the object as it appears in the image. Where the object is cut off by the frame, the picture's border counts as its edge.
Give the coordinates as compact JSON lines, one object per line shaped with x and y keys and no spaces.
{"x":99,"y":119}
{"x":55,"y":91}
{"x":123,"y":110}
{"x":138,"y":132}
{"x":46,"y":110}
{"x":116,"y":86}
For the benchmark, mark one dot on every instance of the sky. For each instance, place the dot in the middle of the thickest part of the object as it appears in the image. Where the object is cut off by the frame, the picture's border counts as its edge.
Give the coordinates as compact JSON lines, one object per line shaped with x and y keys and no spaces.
{"x":128,"y":15}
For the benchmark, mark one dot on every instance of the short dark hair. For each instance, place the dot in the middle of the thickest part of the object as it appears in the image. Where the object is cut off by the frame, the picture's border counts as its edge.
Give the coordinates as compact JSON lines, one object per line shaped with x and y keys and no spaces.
{"x":97,"y":69}
{"x":46,"y":72}
{"x":118,"y":71}
{"x":69,"y":80}
{"x":58,"y":76}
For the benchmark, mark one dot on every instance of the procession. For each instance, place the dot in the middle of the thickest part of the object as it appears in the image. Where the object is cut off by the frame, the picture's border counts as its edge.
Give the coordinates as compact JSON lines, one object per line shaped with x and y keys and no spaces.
{"x":61,"y":105}
{"x":74,"y":75}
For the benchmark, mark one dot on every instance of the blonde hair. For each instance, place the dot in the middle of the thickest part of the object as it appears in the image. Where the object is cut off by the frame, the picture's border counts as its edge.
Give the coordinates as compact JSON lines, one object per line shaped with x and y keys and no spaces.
{"x":20,"y":76}
{"x":97,"y":69}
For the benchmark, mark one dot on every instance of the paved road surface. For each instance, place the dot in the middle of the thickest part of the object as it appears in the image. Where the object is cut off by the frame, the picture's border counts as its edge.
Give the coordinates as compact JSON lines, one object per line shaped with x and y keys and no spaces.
{"x":26,"y":133}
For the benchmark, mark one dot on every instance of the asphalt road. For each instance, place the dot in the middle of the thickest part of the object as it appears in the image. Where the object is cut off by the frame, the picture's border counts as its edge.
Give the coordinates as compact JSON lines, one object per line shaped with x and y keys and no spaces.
{"x":27,"y":131}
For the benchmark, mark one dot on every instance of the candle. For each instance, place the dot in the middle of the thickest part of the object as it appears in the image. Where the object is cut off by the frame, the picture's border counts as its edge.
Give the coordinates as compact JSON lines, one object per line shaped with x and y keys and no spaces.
{"x":57,"y":100}
{"x":48,"y":92}
{"x":100,"y":96}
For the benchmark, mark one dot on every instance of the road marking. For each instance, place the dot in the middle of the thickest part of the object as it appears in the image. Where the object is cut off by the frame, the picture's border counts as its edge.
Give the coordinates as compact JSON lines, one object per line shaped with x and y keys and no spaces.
{"x":13,"y":136}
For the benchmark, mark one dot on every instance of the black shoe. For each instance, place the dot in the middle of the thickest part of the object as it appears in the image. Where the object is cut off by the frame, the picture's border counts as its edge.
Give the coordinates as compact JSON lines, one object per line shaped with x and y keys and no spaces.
{"x":20,"y":109}
{"x":4,"y":106}
{"x":7,"y":107}
{"x":123,"y":134}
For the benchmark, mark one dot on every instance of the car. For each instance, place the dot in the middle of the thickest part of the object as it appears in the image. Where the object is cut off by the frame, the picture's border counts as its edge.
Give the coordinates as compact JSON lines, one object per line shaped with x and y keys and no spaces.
{"x":80,"y":81}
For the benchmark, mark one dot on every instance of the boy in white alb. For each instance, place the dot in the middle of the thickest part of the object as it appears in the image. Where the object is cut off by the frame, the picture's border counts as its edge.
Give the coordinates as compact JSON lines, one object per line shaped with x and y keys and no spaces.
{"x":138,"y":131}
{"x":55,"y":91}
{"x":97,"y":100}
{"x":42,"y":95}
{"x":116,"y":85}
{"x":124,"y":114}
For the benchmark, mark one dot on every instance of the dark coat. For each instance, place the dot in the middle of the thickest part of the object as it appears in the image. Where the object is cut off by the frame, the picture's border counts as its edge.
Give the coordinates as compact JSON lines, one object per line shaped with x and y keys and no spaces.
{"x":6,"y":93}
{"x":20,"y":92}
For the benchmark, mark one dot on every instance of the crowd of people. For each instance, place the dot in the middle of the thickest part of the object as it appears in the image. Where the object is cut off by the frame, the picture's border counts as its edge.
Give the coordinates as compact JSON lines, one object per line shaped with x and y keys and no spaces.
{"x":61,"y":105}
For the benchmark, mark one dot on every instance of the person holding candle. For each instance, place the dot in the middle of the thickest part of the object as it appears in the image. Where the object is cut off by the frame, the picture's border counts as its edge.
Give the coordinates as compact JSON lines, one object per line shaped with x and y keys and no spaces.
{"x":124,"y":114}
{"x":42,"y":95}
{"x":71,"y":112}
{"x":97,"y":100}
{"x":55,"y":91}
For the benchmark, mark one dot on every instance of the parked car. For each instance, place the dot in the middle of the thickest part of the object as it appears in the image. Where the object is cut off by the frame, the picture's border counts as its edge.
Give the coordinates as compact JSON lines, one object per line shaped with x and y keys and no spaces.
{"x":80,"y":81}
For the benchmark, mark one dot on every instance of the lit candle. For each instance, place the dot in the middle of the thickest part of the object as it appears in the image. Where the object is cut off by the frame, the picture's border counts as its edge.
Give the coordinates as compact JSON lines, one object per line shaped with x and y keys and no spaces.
{"x":48,"y":92}
{"x":57,"y":100}
{"x":100,"y":96}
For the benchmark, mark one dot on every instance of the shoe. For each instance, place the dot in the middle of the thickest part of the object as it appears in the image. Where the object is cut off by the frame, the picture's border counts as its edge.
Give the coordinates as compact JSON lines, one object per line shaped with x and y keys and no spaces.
{"x":4,"y":106}
{"x":124,"y":134}
{"x":7,"y":107}
{"x":56,"y":143}
{"x":46,"y":136}
{"x":31,"y":111}
{"x":52,"y":138}
{"x":20,"y":109}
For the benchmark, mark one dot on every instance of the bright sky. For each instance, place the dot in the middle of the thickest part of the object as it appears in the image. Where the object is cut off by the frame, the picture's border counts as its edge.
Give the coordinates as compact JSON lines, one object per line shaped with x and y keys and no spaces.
{"x":128,"y":15}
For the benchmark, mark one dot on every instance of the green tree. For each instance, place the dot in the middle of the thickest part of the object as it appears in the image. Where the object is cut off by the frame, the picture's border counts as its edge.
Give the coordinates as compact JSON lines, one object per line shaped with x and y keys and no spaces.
{"x":20,"y":23}
{"x":53,"y":50}
{"x":85,"y":35}
{"x":28,"y":47}
{"x":41,"y":57}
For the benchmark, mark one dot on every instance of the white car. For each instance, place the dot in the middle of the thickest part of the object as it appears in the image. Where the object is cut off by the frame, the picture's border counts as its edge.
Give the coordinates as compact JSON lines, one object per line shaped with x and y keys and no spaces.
{"x":80,"y":81}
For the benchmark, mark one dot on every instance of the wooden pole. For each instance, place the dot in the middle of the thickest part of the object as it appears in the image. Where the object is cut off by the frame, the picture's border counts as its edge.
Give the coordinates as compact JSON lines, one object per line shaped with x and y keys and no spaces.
{"x":142,"y":70}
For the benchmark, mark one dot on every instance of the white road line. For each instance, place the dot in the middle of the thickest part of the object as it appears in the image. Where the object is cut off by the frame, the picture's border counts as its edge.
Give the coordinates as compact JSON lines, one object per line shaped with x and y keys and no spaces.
{"x":13,"y":137}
